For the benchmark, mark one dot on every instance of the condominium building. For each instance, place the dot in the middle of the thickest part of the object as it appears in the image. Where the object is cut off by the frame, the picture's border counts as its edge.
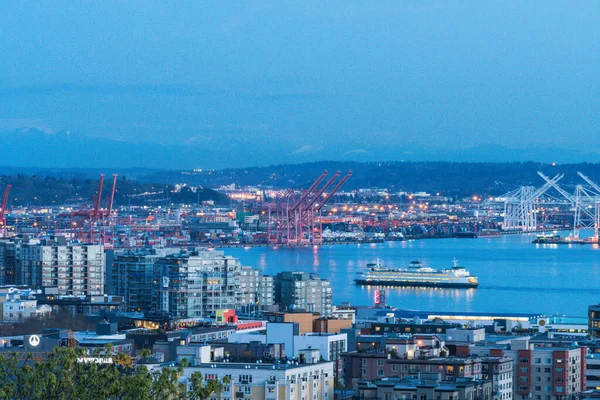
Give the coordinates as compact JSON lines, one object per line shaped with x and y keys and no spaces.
{"x":592,"y":372}
{"x":545,"y":370}
{"x":260,"y":381}
{"x":426,"y":386}
{"x":9,"y":258}
{"x":307,"y":291}
{"x":594,"y":321}
{"x":76,"y":270}
{"x":361,"y":366}
{"x":257,"y":289}
{"x":195,"y":286}
{"x":132,"y":275}
{"x":18,"y":305}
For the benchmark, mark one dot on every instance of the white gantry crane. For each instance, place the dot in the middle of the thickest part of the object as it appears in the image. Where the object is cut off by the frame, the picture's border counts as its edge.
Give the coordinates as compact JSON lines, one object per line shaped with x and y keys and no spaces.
{"x":585,"y":203}
{"x":520,"y":206}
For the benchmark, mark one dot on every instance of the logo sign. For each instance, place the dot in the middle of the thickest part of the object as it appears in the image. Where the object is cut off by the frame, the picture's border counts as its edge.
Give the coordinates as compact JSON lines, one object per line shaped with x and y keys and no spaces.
{"x":94,"y":360}
{"x":34,"y":340}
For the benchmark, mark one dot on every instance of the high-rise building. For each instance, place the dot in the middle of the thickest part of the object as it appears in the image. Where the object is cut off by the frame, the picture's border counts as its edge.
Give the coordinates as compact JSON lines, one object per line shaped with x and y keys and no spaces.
{"x":76,"y":270}
{"x":9,"y":258}
{"x":132,"y":275}
{"x":195,"y":286}
{"x":257,"y":290}
{"x":307,"y":291}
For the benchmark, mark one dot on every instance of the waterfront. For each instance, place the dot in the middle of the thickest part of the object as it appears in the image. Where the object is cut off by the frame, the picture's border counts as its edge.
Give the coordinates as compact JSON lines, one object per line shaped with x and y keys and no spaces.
{"x":514,"y":275}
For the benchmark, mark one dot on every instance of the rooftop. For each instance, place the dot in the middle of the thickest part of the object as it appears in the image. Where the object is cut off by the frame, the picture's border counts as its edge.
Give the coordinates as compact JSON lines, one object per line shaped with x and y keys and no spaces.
{"x":257,"y":365}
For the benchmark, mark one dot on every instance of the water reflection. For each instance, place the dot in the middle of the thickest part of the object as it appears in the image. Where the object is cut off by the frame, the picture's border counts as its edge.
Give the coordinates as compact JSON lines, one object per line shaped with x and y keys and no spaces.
{"x":514,"y":274}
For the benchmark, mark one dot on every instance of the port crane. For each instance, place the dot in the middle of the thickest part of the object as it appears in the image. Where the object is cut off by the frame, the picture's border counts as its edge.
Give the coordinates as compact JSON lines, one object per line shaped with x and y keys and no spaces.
{"x":95,"y":217}
{"x":522,"y":205}
{"x":3,"y":205}
{"x":293,"y":217}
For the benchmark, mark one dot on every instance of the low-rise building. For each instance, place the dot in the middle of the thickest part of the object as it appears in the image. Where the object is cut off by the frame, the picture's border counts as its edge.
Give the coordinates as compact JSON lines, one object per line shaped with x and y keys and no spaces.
{"x":546,"y":369}
{"x":592,"y":372}
{"x":264,"y":381}
{"x":18,"y":305}
{"x":361,"y":366}
{"x":426,"y":386}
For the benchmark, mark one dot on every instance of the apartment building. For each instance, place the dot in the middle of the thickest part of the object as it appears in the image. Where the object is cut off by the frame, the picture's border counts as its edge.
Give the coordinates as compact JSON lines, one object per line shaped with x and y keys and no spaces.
{"x":258,"y":290}
{"x":18,"y":305}
{"x":592,"y":372}
{"x":369,"y":366}
{"x":260,"y":381}
{"x":544,"y":370}
{"x":306,"y":291}
{"x":9,"y":259}
{"x":594,"y":321}
{"x":196,"y":286}
{"x":76,"y":270}
{"x":132,"y":276}
{"x":426,"y":386}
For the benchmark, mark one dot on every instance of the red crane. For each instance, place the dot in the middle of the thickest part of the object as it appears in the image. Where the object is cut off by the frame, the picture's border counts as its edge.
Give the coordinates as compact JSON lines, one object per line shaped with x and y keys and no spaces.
{"x":96,"y":211}
{"x":322,"y":190}
{"x":3,"y":210}
{"x":112,"y":196}
{"x":334,"y":190}
{"x":95,"y":214}
{"x":309,"y":191}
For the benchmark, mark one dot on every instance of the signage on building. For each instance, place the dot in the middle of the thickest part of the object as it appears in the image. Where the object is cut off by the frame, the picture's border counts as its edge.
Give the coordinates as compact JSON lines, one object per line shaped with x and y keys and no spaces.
{"x":34,"y":340}
{"x":94,"y":360}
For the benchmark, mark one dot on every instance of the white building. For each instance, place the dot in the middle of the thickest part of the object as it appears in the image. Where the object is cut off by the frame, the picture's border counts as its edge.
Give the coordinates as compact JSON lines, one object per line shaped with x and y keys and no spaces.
{"x":198,"y":285}
{"x":330,"y":345}
{"x":76,"y":270}
{"x":17,"y":306}
{"x":269,"y":381}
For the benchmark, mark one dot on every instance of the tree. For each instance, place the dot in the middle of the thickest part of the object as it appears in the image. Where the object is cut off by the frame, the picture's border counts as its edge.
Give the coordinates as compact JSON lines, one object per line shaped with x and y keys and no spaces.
{"x":62,"y":375}
{"x":201,"y":390}
{"x":145,"y":353}
{"x":165,"y":384}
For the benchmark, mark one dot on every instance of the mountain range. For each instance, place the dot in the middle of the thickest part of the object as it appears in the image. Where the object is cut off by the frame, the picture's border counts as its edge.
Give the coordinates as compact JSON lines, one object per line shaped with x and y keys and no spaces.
{"x":30,"y":148}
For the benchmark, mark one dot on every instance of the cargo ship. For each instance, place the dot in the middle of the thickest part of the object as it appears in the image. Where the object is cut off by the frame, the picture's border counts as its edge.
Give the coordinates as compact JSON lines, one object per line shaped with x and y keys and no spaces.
{"x":417,"y":275}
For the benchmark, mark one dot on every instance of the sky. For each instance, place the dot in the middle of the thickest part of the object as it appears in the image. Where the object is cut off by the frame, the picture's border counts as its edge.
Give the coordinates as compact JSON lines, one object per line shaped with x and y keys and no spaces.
{"x":253,"y":83}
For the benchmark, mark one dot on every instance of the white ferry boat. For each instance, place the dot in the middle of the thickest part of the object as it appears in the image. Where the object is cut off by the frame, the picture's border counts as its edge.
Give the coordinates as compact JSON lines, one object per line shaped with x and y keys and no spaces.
{"x":417,"y":275}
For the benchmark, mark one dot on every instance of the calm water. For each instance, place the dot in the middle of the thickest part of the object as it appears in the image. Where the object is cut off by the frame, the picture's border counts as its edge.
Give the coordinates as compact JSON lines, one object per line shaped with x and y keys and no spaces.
{"x":514,"y":275}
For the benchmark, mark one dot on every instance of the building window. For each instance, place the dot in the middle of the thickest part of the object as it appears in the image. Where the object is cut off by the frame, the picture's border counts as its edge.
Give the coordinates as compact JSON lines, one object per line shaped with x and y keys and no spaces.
{"x":380,"y":363}
{"x":379,"y":372}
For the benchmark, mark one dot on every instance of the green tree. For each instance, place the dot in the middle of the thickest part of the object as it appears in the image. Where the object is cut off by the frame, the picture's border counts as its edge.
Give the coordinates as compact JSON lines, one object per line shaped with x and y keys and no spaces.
{"x":165,"y":384}
{"x":145,"y":353}
{"x":201,"y":389}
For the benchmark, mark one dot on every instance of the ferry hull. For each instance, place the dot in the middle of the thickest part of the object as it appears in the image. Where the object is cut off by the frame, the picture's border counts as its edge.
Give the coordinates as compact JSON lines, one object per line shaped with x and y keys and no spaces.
{"x":460,"y":285}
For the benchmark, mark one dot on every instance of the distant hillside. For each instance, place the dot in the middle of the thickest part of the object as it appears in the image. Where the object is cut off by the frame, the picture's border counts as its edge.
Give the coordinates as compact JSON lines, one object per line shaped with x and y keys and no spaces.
{"x":48,"y":190}
{"x":446,"y":177}
{"x":55,"y":186}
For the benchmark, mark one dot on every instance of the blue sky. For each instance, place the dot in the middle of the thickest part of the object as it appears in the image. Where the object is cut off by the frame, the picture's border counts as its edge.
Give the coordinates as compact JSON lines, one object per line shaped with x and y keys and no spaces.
{"x":296,"y":81}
